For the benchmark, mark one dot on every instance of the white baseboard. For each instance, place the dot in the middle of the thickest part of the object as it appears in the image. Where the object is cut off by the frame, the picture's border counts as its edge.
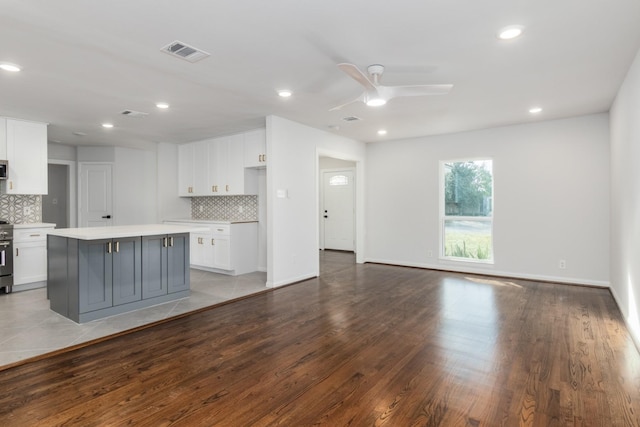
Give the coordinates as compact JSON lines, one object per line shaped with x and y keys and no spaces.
{"x":489,"y":271}
{"x":291,"y":280}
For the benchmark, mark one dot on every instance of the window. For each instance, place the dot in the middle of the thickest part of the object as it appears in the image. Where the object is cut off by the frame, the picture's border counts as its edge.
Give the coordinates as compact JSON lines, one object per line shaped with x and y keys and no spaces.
{"x":467,"y":210}
{"x":339,"y":180}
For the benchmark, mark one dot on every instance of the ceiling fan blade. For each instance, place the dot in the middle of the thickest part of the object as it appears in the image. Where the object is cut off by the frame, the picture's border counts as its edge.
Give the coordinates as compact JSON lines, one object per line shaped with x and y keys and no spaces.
{"x":419,"y":90}
{"x":339,"y":107}
{"x":355,"y":73}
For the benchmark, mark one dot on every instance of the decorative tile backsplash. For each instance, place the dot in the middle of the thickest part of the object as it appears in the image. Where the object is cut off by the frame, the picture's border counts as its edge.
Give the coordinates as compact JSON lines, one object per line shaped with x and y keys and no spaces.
{"x":20,"y":209}
{"x":225,"y":208}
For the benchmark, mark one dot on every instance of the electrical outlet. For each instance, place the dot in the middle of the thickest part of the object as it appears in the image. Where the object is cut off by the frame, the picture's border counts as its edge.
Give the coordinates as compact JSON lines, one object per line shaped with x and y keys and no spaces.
{"x":562,"y":264}
{"x":201,"y":208}
{"x":26,"y":211}
{"x":240,"y":209}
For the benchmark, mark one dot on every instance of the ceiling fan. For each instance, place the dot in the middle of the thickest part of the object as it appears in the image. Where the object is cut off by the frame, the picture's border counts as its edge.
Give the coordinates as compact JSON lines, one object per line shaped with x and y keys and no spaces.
{"x":376,"y":94}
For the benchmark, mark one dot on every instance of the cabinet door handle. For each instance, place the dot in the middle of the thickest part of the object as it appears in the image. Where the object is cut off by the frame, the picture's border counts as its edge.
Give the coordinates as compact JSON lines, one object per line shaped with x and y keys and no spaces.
{"x":213,"y":242}
{"x":171,"y":241}
{"x":227,"y":188}
{"x":117,"y":247}
{"x":164,"y":242}
{"x":213,"y":189}
{"x":10,"y":185}
{"x":34,"y":235}
{"x":108,"y":247}
{"x":17,"y":252}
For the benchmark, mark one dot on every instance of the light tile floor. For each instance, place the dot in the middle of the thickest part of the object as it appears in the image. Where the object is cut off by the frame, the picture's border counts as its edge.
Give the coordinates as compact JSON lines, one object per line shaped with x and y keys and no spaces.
{"x":29,"y":328}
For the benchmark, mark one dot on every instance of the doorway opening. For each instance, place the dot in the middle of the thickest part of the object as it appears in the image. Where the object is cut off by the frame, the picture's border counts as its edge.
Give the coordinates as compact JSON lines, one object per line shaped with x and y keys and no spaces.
{"x":59,"y":205}
{"x":337,"y":194}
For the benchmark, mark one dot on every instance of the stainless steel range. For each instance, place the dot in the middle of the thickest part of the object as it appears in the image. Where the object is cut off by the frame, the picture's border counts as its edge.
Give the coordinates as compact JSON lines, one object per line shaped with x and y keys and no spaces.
{"x":6,"y":256}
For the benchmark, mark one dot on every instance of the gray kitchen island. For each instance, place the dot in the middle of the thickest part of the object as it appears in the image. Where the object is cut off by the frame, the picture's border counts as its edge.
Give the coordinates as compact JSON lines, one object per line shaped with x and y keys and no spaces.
{"x":102,"y":271}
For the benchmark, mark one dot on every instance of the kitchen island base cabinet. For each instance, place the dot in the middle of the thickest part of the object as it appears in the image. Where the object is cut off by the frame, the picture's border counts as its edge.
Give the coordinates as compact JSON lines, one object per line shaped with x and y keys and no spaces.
{"x":92,"y":279}
{"x":165,"y":264}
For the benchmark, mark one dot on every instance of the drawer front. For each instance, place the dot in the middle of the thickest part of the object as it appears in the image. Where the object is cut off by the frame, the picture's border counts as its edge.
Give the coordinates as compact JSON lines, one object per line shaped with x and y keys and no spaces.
{"x":221,"y":229}
{"x":30,"y":234}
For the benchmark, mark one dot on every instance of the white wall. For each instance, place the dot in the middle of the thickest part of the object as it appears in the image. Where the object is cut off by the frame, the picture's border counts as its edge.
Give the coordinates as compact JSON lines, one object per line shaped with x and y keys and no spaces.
{"x":331,"y":163}
{"x":625,"y":199}
{"x":170,"y":206}
{"x":134,"y":187}
{"x":262,"y":219}
{"x":145,"y":182}
{"x":61,"y":151}
{"x":292,"y":222}
{"x":551,"y":187}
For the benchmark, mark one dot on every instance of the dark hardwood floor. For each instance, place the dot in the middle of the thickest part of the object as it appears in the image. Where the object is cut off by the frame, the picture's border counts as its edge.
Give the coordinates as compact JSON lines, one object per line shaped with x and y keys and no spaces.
{"x":364,"y":345}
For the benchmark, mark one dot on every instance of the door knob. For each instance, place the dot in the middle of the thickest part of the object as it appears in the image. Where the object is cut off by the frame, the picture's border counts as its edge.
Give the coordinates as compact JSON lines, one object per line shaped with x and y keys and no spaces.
{"x":107,"y":216}
{"x":326,"y":216}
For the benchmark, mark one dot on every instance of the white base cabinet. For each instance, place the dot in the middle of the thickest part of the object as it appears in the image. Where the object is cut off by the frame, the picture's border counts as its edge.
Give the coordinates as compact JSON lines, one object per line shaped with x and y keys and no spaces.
{"x":30,"y":256}
{"x":227,"y":248}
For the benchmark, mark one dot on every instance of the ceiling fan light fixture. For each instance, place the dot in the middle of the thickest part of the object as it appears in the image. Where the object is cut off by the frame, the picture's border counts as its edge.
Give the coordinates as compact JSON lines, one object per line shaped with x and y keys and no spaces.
{"x":510,"y":32}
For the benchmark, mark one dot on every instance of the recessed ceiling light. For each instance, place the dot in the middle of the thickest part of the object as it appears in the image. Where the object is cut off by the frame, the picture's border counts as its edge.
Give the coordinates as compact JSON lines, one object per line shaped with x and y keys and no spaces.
{"x":510,"y":32}
{"x":162,"y":105}
{"x":10,"y":67}
{"x":376,"y":102}
{"x":382,"y":132}
{"x":284,"y":93}
{"x":107,"y":125}
{"x":535,"y":110}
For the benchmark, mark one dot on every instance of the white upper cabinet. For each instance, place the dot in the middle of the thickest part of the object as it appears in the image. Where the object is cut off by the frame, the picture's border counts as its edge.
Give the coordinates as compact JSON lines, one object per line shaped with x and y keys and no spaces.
{"x":26,"y":153}
{"x":3,"y":138}
{"x":255,"y":152}
{"x":226,"y":166}
{"x":186,"y":161}
{"x":192,"y":169}
{"x":216,"y":167}
{"x":218,"y":152}
{"x":235,"y":166}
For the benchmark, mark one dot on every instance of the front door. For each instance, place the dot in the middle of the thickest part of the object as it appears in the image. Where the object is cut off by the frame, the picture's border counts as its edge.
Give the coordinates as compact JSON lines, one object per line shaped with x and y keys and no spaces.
{"x":96,"y":200}
{"x":338,"y":212}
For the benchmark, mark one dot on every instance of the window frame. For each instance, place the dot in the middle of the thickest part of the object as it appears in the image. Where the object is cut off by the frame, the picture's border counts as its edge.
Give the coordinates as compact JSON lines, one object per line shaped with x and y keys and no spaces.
{"x":443,"y":217}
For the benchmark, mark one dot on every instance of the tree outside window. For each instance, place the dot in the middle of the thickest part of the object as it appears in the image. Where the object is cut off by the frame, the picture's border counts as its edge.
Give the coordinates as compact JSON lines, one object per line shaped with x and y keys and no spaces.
{"x":468,"y":210}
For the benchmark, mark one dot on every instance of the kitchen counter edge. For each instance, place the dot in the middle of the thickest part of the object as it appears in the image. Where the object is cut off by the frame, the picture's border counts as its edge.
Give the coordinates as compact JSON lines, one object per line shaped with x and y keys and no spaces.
{"x":98,"y":233}
{"x":210,"y":221}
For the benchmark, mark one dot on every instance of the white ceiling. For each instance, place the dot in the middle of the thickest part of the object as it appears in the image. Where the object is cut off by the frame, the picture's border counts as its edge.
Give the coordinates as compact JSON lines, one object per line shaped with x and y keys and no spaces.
{"x":86,"y":61}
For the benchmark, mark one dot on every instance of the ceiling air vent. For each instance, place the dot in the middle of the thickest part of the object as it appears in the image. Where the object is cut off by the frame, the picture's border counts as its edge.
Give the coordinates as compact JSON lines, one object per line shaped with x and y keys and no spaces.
{"x":134,"y":114}
{"x":351,"y":119}
{"x":184,"y":51}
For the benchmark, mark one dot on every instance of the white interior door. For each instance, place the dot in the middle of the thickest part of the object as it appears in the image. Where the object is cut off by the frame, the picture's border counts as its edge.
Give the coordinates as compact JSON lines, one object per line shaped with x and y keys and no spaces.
{"x":338,"y":212}
{"x":96,"y":199}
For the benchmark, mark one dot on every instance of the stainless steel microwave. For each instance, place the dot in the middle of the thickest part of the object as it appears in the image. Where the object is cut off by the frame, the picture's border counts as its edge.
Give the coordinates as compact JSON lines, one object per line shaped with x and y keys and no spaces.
{"x":4,"y":169}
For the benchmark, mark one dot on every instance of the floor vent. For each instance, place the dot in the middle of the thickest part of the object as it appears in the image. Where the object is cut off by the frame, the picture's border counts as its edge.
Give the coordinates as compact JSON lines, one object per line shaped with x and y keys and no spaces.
{"x":134,"y":114}
{"x":184,"y":51}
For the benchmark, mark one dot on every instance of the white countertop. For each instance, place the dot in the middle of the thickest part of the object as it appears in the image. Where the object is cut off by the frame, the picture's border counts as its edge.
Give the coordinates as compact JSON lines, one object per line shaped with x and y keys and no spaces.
{"x":97,"y":233}
{"x":207,"y":221}
{"x":35,"y":225}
